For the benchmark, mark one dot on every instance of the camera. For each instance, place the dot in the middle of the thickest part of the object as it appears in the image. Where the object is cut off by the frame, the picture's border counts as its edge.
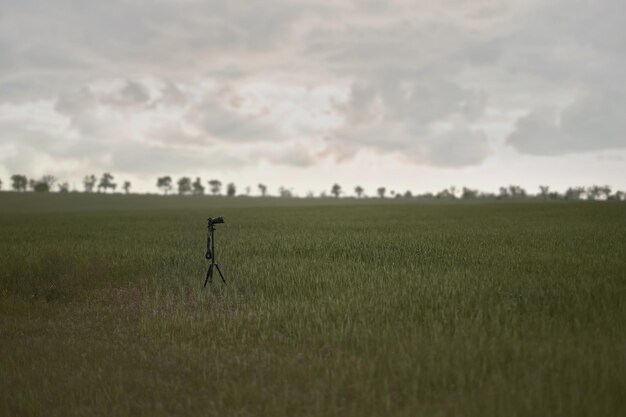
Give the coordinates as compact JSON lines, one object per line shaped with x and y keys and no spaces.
{"x":215,"y":220}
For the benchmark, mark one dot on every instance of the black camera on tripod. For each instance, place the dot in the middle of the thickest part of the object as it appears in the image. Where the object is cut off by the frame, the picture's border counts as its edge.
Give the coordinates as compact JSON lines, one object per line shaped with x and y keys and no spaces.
{"x":215,"y":220}
{"x":210,"y":250}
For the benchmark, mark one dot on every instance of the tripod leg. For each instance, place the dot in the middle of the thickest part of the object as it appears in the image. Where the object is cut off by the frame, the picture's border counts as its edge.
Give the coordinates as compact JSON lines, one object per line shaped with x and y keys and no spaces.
{"x":221,"y":275}
{"x":209,"y":275}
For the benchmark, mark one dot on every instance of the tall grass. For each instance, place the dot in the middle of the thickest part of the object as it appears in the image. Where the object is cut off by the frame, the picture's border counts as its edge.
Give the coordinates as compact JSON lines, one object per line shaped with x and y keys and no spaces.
{"x":353,"y":309}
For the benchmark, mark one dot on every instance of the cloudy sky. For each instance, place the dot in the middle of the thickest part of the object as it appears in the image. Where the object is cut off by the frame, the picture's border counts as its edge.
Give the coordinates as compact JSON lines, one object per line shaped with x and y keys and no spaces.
{"x":416,"y":95}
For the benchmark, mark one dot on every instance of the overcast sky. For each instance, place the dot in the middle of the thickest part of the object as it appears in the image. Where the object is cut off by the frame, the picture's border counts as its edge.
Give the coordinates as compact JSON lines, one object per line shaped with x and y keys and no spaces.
{"x":416,"y":95}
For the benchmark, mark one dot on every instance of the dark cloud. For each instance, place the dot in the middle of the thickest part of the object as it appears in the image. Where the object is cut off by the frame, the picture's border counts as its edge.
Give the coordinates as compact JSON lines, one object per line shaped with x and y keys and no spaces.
{"x":424,"y":119}
{"x":132,"y":93}
{"x":220,"y":122}
{"x":593,"y":122}
{"x":172,"y":95}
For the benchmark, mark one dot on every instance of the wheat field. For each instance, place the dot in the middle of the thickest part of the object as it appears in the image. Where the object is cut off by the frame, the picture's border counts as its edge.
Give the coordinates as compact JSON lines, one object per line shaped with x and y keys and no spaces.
{"x":331,"y":307}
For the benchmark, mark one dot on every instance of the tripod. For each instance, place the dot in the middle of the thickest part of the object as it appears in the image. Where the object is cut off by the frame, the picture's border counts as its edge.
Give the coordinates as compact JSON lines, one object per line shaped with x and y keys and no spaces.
{"x":210,"y":254}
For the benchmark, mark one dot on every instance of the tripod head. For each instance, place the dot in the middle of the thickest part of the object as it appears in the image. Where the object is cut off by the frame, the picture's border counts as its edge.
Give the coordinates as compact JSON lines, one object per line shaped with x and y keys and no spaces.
{"x":212,"y":221}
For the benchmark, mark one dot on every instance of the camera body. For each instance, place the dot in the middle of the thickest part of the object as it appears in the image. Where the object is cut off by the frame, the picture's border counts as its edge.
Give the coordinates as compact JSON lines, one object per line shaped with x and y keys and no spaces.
{"x":215,"y":220}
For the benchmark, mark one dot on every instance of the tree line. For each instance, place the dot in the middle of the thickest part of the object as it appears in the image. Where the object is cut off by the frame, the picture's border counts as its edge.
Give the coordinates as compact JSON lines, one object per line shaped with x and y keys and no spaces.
{"x":187,"y":186}
{"x":47,"y":184}
{"x":593,"y":192}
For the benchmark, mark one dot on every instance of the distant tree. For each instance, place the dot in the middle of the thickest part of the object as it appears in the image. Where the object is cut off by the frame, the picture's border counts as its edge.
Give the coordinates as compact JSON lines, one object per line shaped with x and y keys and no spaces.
{"x":310,"y":194}
{"x":198,"y":189}
{"x":126,"y":187}
{"x":408,"y":194}
{"x":619,"y":195}
{"x":468,"y":193}
{"x":606,"y":191}
{"x":381,"y":192}
{"x":445,"y":194}
{"x":231,"y":190}
{"x":515,"y":191}
{"x":284,"y":192}
{"x":106,"y":182}
{"x":165,"y":184}
{"x":41,"y":187}
{"x":216,"y":186}
{"x":336,"y":190}
{"x":89,"y":182}
{"x":184,"y":185}
{"x":0,"y":185}
{"x":31,"y":184}
{"x":248,"y":190}
{"x":503,"y":192}
{"x":44,"y":184}
{"x":359,"y":191}
{"x":544,"y":191}
{"x":19,"y":182}
{"x":392,"y":192}
{"x":64,"y":187}
{"x":323,"y":194}
{"x":49,"y":180}
{"x":574,"y":193}
{"x":594,"y":192}
{"x":262,"y":189}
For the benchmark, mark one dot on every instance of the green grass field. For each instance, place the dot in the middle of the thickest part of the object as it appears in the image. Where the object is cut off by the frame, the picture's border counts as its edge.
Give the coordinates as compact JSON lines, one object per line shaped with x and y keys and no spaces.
{"x":344,"y":308}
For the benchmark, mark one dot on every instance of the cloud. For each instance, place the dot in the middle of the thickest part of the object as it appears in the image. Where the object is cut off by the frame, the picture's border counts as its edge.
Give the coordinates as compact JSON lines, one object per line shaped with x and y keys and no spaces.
{"x":295,"y":82}
{"x":221,"y":122}
{"x":41,"y":149}
{"x":133,"y":93}
{"x":170,"y":160}
{"x":295,"y":154}
{"x":172,"y":95}
{"x":77,"y":102}
{"x":426,"y":120}
{"x":457,"y":147}
{"x":593,"y":122}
